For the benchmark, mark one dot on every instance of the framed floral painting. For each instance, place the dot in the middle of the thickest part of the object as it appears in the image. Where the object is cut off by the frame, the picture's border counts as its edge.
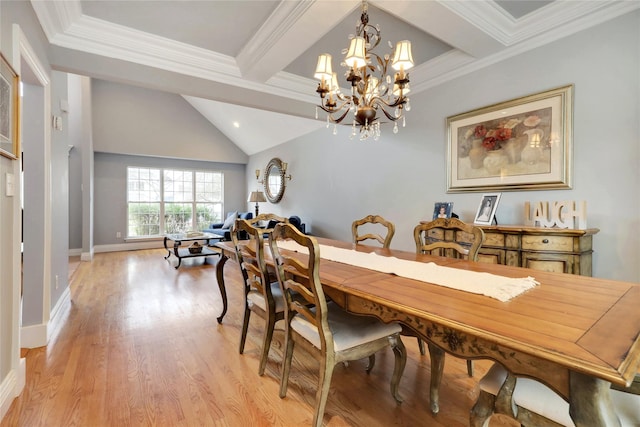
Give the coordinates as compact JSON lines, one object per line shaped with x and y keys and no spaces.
{"x":9,"y":110}
{"x":522,"y":144}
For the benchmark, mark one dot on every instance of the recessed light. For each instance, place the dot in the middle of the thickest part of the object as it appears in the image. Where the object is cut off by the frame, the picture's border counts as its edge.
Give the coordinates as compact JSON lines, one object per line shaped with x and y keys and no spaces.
{"x":236,"y":124}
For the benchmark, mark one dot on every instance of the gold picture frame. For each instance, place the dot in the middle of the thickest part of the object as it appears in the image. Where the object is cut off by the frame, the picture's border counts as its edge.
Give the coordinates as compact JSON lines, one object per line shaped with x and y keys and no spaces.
{"x":9,"y":110}
{"x":521,"y":144}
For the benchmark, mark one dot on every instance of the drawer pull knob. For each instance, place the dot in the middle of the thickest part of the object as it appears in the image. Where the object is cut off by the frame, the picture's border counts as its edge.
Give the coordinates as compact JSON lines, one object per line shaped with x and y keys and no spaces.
{"x":545,"y":241}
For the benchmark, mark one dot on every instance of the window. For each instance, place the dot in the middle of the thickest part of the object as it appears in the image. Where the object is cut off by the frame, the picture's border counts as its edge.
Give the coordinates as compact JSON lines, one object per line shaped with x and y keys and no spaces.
{"x":171,"y":201}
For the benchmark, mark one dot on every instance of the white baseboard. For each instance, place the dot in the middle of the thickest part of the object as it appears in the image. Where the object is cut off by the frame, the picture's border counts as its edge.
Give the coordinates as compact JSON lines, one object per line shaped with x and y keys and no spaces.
{"x":130,"y":246}
{"x":86,"y":256}
{"x":75,"y":252}
{"x":117,"y":247}
{"x":11,"y":386}
{"x":57,"y":312}
{"x":33,"y":336}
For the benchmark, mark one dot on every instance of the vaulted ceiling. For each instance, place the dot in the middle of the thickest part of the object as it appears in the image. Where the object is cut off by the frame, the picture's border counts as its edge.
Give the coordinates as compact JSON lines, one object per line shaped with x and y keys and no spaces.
{"x":247,"y":66}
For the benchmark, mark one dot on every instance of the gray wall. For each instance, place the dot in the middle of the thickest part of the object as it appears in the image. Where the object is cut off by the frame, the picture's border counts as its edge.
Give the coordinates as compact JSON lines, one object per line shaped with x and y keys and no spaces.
{"x":138,"y":121}
{"x":168,"y":131}
{"x":336,"y":180}
{"x":34,"y":206}
{"x":10,"y":223}
{"x":110,"y":188}
{"x":59,"y":187}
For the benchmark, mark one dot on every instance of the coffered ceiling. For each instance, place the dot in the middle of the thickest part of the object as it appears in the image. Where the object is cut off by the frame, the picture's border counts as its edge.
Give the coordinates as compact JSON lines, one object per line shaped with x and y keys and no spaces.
{"x":247,"y":66}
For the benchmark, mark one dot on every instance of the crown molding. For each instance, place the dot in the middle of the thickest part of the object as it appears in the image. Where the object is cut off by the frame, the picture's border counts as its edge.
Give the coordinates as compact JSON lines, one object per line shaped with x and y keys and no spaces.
{"x":56,"y":17}
{"x":281,"y":20}
{"x":489,"y":17}
{"x":290,"y":30}
{"x":66,"y":26}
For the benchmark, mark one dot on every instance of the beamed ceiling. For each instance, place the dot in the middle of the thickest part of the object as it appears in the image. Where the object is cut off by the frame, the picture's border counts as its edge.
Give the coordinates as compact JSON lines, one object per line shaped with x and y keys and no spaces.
{"x":252,"y":62}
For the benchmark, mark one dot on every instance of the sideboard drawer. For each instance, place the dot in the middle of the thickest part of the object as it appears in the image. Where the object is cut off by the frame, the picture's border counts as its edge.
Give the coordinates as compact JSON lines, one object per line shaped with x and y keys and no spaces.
{"x":552,"y":249}
{"x":494,"y":239}
{"x":548,"y":243}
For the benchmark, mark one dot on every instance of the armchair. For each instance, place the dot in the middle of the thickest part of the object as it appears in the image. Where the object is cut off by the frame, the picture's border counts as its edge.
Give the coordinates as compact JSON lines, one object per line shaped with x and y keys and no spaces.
{"x":224,"y":228}
{"x":293,"y":220}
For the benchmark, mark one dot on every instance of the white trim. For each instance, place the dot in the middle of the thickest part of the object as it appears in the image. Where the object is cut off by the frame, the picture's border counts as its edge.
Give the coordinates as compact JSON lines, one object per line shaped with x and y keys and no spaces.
{"x":87,"y":256}
{"x":129,"y":245}
{"x":57,"y":312}
{"x":75,"y":252}
{"x":33,"y":336}
{"x":23,"y":48}
{"x":132,"y":246}
{"x":12,"y":386}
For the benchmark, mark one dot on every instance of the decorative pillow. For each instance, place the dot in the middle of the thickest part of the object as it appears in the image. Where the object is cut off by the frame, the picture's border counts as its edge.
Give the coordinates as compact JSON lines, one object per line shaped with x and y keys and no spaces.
{"x":231,"y":219}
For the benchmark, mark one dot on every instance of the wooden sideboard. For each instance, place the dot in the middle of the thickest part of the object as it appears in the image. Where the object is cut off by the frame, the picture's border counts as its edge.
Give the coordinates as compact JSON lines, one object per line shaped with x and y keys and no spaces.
{"x":548,"y":249}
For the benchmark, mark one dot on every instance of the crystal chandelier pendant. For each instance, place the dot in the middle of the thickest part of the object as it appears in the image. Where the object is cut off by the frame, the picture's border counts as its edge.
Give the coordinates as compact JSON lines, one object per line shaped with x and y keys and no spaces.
{"x":379,"y":82}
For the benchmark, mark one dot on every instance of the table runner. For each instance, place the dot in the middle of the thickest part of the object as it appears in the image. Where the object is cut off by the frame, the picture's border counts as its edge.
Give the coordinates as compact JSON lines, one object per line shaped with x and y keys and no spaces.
{"x":499,"y":287}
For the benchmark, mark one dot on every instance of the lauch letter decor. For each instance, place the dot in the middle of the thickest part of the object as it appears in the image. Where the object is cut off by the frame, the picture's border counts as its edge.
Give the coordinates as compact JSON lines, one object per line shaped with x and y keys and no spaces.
{"x":563,"y":214}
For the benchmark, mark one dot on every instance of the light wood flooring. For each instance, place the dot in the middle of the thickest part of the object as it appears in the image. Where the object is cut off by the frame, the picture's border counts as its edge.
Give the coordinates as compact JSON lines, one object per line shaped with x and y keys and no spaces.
{"x":139,"y":345}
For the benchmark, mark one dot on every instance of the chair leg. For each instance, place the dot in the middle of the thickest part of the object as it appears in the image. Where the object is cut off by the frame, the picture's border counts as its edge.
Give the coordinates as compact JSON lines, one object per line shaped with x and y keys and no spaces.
{"x":372,"y":363}
{"x":245,"y":327}
{"x":324,"y":384}
{"x":470,"y":367}
{"x":400,"y":353}
{"x":266,"y":344}
{"x":286,"y":364}
{"x":482,"y":410}
{"x":437,"y":368}
{"x":421,"y":346}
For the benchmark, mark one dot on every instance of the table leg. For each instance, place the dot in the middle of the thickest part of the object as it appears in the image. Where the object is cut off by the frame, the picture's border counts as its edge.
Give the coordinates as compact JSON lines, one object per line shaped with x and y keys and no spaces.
{"x":590,"y":402}
{"x":437,"y":366}
{"x":165,"y":246}
{"x":223,"y":290}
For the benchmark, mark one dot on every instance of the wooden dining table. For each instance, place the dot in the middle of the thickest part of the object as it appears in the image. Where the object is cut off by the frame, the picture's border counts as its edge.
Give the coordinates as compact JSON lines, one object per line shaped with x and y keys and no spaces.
{"x":576,"y":334}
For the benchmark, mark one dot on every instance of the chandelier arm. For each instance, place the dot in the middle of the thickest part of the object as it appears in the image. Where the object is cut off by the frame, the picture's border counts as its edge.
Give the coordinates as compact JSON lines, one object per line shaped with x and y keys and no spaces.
{"x":331,"y":110}
{"x":393,"y":118}
{"x":380,"y":101}
{"x":339,"y":119}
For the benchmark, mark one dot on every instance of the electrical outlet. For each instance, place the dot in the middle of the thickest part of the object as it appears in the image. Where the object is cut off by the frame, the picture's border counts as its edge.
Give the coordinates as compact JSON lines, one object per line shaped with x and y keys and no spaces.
{"x":57,"y":281}
{"x":118,"y":235}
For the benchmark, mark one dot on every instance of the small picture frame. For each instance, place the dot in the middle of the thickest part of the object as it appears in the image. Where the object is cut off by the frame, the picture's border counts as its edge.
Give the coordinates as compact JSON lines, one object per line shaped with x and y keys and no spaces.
{"x":487,"y":209}
{"x":442,"y":210}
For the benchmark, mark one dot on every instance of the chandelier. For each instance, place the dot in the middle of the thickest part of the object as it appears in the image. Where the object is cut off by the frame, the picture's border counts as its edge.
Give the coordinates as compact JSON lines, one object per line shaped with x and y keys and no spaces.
{"x":372,"y":89}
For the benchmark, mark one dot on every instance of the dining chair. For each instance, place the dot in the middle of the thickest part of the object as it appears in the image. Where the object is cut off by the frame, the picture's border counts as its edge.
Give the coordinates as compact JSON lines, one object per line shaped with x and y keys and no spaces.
{"x":364,"y":223}
{"x":262,"y":293}
{"x":451,"y":238}
{"x":532,"y":403}
{"x":331,"y":334}
{"x":267,"y":221}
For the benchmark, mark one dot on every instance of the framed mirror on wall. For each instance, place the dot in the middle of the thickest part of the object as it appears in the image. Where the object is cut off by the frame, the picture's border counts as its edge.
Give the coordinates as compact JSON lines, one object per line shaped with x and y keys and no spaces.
{"x":274,"y":180}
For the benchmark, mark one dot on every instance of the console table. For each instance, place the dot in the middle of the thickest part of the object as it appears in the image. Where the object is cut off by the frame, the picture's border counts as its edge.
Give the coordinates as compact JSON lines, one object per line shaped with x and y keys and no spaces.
{"x":184,"y":251}
{"x":549,"y":249}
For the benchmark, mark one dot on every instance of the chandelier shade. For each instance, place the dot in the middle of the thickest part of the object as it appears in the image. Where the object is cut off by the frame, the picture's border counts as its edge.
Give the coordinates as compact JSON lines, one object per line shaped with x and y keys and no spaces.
{"x":356,"y":54}
{"x":375,"y":88}
{"x":402,"y":58}
{"x":323,"y":69}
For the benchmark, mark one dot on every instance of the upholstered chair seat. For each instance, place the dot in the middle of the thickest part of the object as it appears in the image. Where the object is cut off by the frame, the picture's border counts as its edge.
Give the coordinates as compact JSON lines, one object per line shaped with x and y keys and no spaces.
{"x":535,"y":404}
{"x":348,"y":330}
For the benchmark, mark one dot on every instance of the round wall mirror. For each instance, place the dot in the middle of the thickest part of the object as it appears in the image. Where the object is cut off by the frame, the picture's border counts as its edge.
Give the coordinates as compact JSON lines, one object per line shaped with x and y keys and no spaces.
{"x":274,"y":180}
